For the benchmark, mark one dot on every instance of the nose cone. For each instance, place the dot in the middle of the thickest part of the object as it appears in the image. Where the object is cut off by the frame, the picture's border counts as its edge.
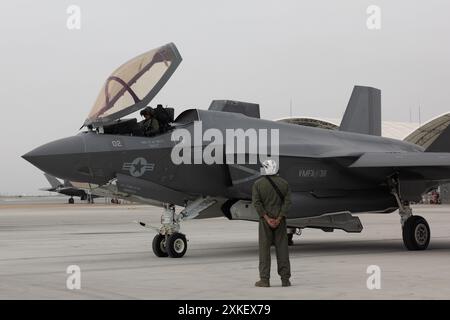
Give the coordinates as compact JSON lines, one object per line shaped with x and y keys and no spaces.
{"x":62,"y":158}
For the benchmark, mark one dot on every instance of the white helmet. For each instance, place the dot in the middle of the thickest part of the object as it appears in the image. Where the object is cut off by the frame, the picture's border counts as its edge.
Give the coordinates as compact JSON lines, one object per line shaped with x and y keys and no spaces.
{"x":269,"y":168}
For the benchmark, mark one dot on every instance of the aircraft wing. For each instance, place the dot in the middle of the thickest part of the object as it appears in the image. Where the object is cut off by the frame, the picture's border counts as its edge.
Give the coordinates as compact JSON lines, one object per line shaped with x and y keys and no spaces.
{"x":413,"y":165}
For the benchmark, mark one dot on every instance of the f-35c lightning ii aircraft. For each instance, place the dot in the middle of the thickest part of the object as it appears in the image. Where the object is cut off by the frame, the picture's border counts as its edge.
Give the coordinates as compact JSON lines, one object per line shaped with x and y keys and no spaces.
{"x":67,"y":189}
{"x":333,"y":174}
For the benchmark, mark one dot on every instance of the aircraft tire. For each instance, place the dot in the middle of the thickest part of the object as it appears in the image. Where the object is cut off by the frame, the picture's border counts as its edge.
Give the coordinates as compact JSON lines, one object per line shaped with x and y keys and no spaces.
{"x":159,"y":247}
{"x":176,"y":245}
{"x":290,"y":239}
{"x":416,"y":233}
{"x":71,"y":201}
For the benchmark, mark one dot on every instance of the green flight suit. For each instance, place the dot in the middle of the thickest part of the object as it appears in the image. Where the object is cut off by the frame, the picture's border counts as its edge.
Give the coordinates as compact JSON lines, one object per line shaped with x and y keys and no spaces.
{"x":150,"y":127}
{"x":266,"y":201}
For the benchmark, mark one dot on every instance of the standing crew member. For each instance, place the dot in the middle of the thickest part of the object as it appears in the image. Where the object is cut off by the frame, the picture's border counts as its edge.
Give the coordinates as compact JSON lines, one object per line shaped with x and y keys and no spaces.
{"x":271,"y":197}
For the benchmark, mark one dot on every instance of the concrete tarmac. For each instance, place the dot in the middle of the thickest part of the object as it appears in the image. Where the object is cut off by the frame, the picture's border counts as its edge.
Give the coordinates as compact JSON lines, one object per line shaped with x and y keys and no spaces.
{"x":38,"y":241}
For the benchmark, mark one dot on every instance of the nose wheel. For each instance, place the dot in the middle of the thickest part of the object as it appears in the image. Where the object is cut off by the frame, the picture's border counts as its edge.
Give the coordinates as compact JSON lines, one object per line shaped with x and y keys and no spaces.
{"x":159,"y":246}
{"x":174,"y":245}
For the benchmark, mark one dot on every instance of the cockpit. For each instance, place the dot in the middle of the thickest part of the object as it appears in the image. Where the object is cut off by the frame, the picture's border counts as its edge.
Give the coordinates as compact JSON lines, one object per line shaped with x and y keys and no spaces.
{"x":130,"y":88}
{"x":161,"y":121}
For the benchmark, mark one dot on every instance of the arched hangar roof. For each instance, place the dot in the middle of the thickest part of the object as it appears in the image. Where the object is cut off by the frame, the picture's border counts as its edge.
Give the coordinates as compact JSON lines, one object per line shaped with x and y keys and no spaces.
{"x":422,"y":135}
{"x":428,"y":132}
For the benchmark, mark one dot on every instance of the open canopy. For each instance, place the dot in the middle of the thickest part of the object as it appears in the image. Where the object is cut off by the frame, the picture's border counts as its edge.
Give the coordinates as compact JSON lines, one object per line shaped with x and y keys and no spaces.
{"x":134,"y":84}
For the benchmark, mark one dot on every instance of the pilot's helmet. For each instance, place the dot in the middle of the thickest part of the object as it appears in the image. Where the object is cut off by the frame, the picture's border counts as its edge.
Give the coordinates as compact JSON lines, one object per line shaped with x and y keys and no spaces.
{"x":269,"y":167}
{"x":147,"y":110}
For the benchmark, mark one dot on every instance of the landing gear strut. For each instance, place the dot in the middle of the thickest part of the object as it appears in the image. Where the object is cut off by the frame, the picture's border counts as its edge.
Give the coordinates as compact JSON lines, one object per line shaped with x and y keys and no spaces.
{"x":415,"y":229}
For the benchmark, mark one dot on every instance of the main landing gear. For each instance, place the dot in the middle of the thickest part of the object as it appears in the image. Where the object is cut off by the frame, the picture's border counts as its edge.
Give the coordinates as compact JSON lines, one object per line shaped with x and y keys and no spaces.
{"x":291,"y":232}
{"x":415,"y":229}
{"x":71,"y":200}
{"x":90,"y":199}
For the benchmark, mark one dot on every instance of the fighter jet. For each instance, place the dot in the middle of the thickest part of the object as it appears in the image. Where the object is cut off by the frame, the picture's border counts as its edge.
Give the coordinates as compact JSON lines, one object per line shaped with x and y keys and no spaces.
{"x":68,"y":189}
{"x":206,"y":161}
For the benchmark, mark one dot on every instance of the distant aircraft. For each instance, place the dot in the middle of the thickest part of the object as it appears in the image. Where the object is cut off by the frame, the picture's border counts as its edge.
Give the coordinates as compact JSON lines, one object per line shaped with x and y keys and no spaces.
{"x":333,"y":174}
{"x":68,"y":189}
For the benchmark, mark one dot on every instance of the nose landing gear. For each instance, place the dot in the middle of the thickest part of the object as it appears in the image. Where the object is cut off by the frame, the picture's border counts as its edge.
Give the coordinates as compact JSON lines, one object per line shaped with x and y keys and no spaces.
{"x":169,"y":241}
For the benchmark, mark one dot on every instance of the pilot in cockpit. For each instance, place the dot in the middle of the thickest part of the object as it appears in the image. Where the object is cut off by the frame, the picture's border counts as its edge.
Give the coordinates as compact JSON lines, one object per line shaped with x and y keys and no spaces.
{"x":150,"y":125}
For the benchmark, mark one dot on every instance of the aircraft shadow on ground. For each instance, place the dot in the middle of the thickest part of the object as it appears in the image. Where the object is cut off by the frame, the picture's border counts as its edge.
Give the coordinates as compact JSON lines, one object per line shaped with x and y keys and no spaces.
{"x":323,"y":248}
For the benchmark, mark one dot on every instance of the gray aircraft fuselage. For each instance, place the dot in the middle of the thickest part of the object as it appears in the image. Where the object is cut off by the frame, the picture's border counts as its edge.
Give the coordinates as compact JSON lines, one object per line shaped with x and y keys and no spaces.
{"x":314,"y":161}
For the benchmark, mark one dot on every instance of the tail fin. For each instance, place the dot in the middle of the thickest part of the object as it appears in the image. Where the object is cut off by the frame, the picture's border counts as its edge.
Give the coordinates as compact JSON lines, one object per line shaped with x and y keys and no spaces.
{"x":363,"y":113}
{"x":67,"y":183}
{"x":53,"y":181}
{"x":442,"y":141}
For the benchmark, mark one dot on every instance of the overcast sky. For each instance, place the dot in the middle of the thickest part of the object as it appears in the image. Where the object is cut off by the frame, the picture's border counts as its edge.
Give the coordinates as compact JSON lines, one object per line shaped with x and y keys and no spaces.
{"x":267,"y":52}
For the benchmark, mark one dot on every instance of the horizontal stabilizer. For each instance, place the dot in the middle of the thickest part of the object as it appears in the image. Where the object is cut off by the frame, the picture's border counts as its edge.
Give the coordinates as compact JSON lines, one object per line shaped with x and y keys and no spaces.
{"x":402,"y":159}
{"x":432,"y":166}
{"x":363,"y":113}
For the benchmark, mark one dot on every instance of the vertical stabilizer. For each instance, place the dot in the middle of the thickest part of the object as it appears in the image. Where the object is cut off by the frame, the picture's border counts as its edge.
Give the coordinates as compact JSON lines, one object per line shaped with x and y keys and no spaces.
{"x":363,"y":113}
{"x":67,"y":183}
{"x":55,"y":183}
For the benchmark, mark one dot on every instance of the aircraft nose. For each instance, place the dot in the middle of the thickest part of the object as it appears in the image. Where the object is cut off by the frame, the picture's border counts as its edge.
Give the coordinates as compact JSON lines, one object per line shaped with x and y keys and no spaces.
{"x":60,"y":158}
{"x":66,"y":146}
